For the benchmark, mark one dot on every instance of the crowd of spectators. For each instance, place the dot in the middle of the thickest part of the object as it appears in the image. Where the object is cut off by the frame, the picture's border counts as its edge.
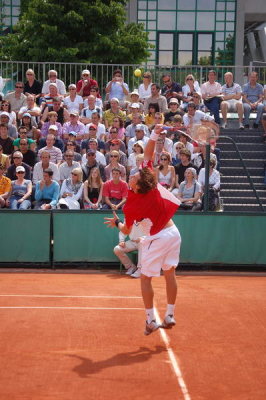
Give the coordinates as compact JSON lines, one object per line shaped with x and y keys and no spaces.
{"x":70,"y":149}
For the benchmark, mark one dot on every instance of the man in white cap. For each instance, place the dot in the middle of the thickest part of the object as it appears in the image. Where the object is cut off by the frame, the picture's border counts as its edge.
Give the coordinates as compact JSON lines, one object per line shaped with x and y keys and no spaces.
{"x":74,"y":125}
{"x":139,"y":135}
{"x":12,"y":130}
{"x":18,"y":162}
{"x":52,"y":75}
{"x":53,"y":130}
{"x":85,"y":83}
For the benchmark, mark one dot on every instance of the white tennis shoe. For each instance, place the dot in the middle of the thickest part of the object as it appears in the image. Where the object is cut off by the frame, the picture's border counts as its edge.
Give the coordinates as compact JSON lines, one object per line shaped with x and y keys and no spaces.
{"x":168,"y":322}
{"x":131,"y":270}
{"x":137,"y":273}
{"x":151,"y":327}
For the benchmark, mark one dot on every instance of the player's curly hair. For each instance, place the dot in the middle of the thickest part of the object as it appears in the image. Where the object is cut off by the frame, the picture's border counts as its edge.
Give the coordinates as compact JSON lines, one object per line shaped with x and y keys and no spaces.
{"x":146,"y":181}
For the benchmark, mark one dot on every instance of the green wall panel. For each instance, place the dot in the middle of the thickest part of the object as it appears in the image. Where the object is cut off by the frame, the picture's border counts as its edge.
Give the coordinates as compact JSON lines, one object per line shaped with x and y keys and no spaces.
{"x":25,"y":236}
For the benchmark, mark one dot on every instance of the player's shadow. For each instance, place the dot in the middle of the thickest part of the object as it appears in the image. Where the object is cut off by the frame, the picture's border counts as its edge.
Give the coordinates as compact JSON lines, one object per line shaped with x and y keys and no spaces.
{"x":88,"y":367}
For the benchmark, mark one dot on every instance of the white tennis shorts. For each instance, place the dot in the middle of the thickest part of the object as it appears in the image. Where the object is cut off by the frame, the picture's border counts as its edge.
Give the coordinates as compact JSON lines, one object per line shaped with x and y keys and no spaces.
{"x":160,"y":251}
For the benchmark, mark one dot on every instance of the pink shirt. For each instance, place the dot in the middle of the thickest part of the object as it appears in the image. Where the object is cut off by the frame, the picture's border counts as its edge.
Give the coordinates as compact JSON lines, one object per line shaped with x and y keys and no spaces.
{"x":211,"y":89}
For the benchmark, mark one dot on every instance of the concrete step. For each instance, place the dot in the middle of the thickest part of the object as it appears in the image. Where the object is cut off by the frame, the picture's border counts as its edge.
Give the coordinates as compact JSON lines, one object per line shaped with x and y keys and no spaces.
{"x":242,"y":139}
{"x":242,"y":207}
{"x":236,"y":162}
{"x":242,"y":186}
{"x":242,"y":200}
{"x":253,"y":171}
{"x":238,"y":179}
{"x":242,"y":146}
{"x":251,"y":154}
{"x":236,"y":193}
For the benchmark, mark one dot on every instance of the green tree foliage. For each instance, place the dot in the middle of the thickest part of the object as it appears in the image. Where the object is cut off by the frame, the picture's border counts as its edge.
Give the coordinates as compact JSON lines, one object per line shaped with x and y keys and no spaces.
{"x":76,"y":31}
{"x":226,"y":56}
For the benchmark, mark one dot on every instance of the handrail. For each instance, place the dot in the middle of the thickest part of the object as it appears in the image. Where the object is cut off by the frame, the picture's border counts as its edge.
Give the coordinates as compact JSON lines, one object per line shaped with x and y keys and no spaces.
{"x":245,"y":169}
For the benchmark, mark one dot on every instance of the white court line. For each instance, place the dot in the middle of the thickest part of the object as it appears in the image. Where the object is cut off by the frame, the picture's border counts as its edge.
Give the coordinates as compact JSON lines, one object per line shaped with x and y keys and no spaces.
{"x":72,"y":308}
{"x":59,"y":296}
{"x":173,"y":359}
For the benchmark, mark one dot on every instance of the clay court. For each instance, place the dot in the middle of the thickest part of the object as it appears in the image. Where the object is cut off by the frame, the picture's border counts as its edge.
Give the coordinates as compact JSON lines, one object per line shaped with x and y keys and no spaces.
{"x":80,"y":336}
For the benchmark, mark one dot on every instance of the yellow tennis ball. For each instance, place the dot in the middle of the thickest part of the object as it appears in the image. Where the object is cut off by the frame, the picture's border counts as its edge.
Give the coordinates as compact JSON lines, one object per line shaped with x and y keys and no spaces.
{"x":137,"y":72}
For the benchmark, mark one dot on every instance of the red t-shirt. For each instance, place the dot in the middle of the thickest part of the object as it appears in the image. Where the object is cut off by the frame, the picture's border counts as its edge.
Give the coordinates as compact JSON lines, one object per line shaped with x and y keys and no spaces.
{"x":115,"y":190}
{"x":158,"y":205}
{"x":87,"y":88}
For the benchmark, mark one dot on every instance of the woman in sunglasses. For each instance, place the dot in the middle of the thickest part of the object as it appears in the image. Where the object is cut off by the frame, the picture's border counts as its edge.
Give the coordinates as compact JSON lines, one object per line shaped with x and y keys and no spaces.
{"x":165,"y":172}
{"x":114,"y":163}
{"x":6,"y":106}
{"x":71,"y":191}
{"x":188,"y":89}
{"x":21,"y":188}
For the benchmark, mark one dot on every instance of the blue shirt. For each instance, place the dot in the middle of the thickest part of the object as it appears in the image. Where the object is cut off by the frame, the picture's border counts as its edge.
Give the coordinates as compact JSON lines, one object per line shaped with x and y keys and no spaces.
{"x":252,"y":93}
{"x":117,"y":90}
{"x":50,"y":192}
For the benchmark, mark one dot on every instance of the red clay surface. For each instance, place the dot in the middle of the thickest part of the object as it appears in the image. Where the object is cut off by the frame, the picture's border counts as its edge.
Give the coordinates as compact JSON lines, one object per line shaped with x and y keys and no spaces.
{"x":78,"y":353}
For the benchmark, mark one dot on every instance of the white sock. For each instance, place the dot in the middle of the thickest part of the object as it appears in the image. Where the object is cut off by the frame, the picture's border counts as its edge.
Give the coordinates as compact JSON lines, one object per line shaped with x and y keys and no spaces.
{"x":150,"y":314}
{"x":170,"y":309}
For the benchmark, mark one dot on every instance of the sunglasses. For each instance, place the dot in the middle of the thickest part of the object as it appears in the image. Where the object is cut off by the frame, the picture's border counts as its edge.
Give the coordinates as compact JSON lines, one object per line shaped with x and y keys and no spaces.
{"x":166,"y":81}
{"x":190,"y":79}
{"x":113,"y":156}
{"x":20,"y":172}
{"x":70,"y":144}
{"x":23,"y":144}
{"x":19,"y":87}
{"x":164,"y":159}
{"x":92,"y":129}
{"x":68,"y":156}
{"x":144,"y":76}
{"x":18,"y":158}
{"x":74,"y":174}
{"x":91,"y":155}
{"x":29,"y":73}
{"x":72,"y":89}
{"x":113,"y":131}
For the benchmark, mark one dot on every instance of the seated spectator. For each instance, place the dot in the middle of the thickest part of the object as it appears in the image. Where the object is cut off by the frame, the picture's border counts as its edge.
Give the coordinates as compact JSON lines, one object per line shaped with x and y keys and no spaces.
{"x":119,"y":124}
{"x":133,"y":109}
{"x":46,"y":192}
{"x":71,"y":191}
{"x":252,"y":100}
{"x":145,"y":87}
{"x":189,"y":191}
{"x":185,"y":139}
{"x":114,"y":111}
{"x":115,"y":191}
{"x":117,"y":88}
{"x":231,"y":100}
{"x":5,"y":141}
{"x":194,"y":116}
{"x":68,"y":165}
{"x":93,"y":145}
{"x":191,"y":87}
{"x":167,"y":143}
{"x":85,"y":84}
{"x":53,"y":130}
{"x":114,"y":164}
{"x":92,"y":163}
{"x":30,"y":108}
{"x":22,"y":134}
{"x":177,"y":126}
{"x":6,"y":106}
{"x":171,"y":89}
{"x":159,"y":148}
{"x":150,"y":116}
{"x":139,"y":135}
{"x":73,"y":102}
{"x":55,"y":153}
{"x":20,"y":191}
{"x":86,"y":113}
{"x":32,"y":131}
{"x":180,"y":169}
{"x":134,"y":99}
{"x":139,"y":161}
{"x":99,"y":128}
{"x":52,"y":120}
{"x":48,"y":99}
{"x":156,"y":97}
{"x":131,"y":129}
{"x":57,"y":106}
{"x":52,"y":75}
{"x":199,"y":158}
{"x":174,"y":109}
{"x":42,"y":165}
{"x":12,"y":130}
{"x":17,"y":161}
{"x":197,"y":100}
{"x":158,"y":119}
{"x":32,"y":85}
{"x":263,"y":121}
{"x":98,"y":101}
{"x":214,"y":185}
{"x":137,"y":149}
{"x":211,"y":94}
{"x":165,"y":172}
{"x":5,"y":185}
{"x":29,"y":156}
{"x":74,"y":125}
{"x":71,"y":145}
{"x":113,"y":139}
{"x":178,"y":146}
{"x":93,"y":190}
{"x":17,"y":99}
{"x":115,"y":144}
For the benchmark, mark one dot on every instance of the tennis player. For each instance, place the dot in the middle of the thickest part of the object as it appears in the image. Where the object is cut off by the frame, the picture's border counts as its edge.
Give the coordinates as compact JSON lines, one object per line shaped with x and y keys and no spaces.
{"x":153,"y":206}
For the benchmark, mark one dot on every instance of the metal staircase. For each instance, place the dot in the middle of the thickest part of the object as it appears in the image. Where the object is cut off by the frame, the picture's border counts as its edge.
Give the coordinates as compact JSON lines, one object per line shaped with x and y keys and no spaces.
{"x":236,"y":191}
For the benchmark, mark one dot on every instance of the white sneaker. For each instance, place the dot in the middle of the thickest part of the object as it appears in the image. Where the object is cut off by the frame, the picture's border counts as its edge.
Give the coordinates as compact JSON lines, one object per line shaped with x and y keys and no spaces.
{"x":131,"y":270}
{"x":137,"y":273}
{"x":224,"y":125}
{"x":241,"y":126}
{"x":151,"y":327}
{"x":168,"y":322}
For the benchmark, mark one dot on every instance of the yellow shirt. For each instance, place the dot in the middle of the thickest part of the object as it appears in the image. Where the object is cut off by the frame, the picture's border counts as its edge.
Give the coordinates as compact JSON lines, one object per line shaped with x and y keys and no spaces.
{"x":109,"y":116}
{"x":5,"y":185}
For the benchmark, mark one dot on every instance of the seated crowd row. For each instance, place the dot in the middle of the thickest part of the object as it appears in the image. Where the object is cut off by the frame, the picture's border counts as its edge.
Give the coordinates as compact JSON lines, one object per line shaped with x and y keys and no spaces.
{"x":71,"y":150}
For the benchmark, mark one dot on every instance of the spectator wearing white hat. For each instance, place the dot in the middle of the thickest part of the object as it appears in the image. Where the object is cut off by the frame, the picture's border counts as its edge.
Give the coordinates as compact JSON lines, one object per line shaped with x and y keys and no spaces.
{"x":131,"y":129}
{"x":53,"y":130}
{"x":17,"y":159}
{"x":5,"y":119}
{"x":134,"y":99}
{"x":174,"y":109}
{"x":134,"y":108}
{"x":74,"y":101}
{"x":85,"y":83}
{"x":20,"y":192}
{"x":52,"y":75}
{"x":139,"y":135}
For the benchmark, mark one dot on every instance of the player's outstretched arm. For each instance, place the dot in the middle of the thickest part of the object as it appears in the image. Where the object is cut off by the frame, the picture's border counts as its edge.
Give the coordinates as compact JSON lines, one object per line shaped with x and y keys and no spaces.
{"x":116,"y":222}
{"x":149,"y":149}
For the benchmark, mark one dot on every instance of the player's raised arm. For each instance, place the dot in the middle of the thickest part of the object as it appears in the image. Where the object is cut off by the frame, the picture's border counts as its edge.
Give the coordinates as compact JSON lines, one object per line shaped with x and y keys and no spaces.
{"x":116,"y":222}
{"x":149,"y":149}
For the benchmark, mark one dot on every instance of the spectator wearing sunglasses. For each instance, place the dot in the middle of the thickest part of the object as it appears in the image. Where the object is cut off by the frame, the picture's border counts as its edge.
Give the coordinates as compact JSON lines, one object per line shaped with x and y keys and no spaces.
{"x":17,"y":99}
